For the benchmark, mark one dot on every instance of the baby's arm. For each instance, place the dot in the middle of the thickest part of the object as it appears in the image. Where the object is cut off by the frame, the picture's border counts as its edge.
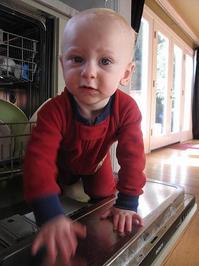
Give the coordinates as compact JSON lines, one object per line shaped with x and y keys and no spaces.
{"x":59,"y":236}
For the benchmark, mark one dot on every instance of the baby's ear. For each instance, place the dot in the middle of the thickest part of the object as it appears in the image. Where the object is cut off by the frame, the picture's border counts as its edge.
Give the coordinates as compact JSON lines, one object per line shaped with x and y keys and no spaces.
{"x":127,"y":74}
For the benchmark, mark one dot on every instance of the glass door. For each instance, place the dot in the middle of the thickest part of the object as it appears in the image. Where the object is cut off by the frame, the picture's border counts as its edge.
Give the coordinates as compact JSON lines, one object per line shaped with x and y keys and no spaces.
{"x":139,"y":78}
{"x":140,"y":81}
{"x":160,"y":94}
{"x":172,"y":92}
{"x":188,"y":92}
{"x":187,"y":97}
{"x":176,"y":89}
{"x":167,"y":91}
{"x":161,"y":84}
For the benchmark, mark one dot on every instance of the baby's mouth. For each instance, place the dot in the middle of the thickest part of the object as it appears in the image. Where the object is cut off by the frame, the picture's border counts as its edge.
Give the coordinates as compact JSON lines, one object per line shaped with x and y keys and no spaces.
{"x":87,"y":87}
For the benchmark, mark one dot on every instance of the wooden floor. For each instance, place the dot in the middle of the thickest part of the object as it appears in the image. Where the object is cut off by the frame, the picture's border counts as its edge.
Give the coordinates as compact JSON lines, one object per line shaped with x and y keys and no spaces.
{"x":179,"y":167}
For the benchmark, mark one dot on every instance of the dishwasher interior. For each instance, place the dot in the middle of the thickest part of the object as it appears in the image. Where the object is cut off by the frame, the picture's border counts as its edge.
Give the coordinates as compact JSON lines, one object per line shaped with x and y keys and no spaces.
{"x":26,"y":51}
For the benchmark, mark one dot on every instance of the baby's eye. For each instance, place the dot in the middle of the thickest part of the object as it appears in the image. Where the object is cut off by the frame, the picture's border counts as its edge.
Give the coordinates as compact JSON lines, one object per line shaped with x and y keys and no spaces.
{"x":77,"y":59}
{"x":105,"y":61}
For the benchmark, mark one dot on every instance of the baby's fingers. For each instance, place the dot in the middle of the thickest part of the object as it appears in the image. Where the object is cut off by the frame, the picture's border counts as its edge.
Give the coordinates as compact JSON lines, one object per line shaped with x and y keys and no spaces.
{"x":67,"y":247}
{"x":49,"y":243}
{"x":79,"y":230}
{"x":106,"y":214}
{"x":121,"y":224}
{"x":137,"y":219}
{"x":37,"y":244}
{"x":51,"y":249}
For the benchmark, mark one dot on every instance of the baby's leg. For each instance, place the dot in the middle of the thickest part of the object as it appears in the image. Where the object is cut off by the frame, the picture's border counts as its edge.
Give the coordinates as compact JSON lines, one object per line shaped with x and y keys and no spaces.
{"x":102,"y":184}
{"x":72,"y":187}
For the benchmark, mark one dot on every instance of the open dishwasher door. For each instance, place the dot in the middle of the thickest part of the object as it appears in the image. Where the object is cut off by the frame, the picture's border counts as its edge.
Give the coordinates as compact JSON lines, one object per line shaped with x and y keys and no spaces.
{"x":165,"y":209}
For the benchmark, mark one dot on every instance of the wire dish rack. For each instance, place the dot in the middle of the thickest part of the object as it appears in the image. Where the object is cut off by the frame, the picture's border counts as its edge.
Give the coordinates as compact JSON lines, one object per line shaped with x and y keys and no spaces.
{"x":17,"y":57}
{"x":12,"y":148}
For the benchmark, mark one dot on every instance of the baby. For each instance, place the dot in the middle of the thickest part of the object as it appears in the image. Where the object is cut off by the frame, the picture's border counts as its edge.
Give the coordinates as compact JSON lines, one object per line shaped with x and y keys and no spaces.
{"x":76,"y":129}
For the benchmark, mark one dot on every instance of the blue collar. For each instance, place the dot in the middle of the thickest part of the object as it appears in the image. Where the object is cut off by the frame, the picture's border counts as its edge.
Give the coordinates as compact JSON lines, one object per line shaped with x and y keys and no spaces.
{"x":101,"y":117}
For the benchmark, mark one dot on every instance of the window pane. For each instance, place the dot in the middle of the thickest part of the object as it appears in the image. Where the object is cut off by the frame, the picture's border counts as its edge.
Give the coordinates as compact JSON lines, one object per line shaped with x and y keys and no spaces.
{"x":176,"y":89}
{"x":161,"y":83}
{"x":140,"y":76}
{"x":187,"y":92}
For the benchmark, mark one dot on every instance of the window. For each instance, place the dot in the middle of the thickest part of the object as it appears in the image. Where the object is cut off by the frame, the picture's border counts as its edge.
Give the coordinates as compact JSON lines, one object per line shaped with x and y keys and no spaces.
{"x":139,"y":84}
{"x":188,"y":91}
{"x":161,"y":83}
{"x":176,"y":89}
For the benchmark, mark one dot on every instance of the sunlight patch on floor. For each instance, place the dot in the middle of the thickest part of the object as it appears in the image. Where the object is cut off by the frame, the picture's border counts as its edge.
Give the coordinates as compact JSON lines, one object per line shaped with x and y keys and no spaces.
{"x":178,"y":165}
{"x":189,"y":157}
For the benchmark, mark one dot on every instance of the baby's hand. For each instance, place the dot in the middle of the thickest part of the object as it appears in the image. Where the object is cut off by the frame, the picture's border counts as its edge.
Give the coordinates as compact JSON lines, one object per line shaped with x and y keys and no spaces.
{"x":123,"y":220}
{"x":59,"y":236}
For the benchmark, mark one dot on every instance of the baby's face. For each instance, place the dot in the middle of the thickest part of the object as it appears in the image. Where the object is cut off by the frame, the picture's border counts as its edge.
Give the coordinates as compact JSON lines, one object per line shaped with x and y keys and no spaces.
{"x":96,"y":59}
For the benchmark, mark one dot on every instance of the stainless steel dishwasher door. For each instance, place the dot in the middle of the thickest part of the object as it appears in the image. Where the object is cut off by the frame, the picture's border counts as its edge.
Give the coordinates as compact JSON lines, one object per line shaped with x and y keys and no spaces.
{"x":163,"y":208}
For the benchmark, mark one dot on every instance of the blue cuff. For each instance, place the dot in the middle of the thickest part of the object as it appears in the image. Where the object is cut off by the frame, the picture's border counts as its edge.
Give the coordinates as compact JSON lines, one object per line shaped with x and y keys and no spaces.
{"x":126,"y":202}
{"x":46,"y":208}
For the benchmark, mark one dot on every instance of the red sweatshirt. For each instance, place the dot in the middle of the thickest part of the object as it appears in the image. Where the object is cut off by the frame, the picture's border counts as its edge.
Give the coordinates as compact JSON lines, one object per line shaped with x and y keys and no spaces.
{"x":84,"y":146}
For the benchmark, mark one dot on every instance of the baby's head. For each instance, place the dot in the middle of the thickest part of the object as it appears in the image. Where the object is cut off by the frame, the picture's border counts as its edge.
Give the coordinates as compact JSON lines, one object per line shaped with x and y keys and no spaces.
{"x":97,"y":52}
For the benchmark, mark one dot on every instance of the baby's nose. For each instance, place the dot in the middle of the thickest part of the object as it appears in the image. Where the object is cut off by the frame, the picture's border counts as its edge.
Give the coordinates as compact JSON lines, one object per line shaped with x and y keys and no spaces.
{"x":89,"y":70}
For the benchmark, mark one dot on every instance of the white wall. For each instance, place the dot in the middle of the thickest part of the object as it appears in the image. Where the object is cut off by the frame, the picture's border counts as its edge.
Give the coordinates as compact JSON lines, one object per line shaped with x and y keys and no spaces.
{"x":81,"y":5}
